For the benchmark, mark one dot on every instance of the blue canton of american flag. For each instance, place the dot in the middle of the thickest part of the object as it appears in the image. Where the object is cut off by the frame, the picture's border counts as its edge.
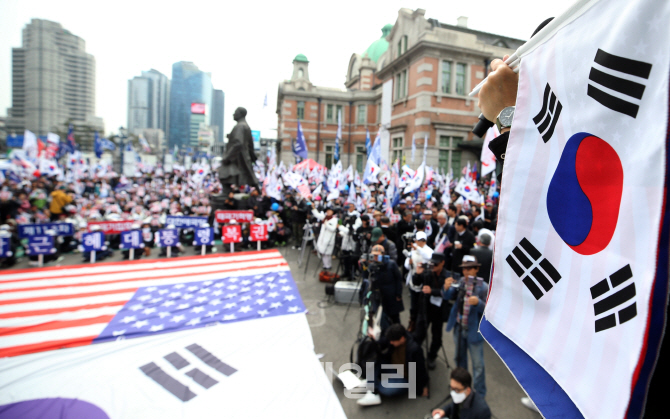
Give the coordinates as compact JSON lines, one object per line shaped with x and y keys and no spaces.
{"x":169,"y":308}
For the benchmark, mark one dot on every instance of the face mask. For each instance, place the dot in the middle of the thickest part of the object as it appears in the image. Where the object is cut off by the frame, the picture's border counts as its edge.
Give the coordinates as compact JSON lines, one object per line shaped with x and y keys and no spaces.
{"x":458,"y":397}
{"x":146,"y":230}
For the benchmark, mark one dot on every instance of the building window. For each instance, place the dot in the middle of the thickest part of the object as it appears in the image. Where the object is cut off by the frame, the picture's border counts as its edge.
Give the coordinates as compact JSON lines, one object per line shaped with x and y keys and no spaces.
{"x":402,"y":45}
{"x":329,"y":113}
{"x":460,"y":78}
{"x":301,"y":73}
{"x":450,"y":154}
{"x":397,"y":150}
{"x":401,"y":85}
{"x":446,"y":76}
{"x":301,"y":110}
{"x":362,"y":114}
{"x":340,"y":111}
{"x":329,"y":156}
{"x":361,"y":158}
{"x":379,"y":113}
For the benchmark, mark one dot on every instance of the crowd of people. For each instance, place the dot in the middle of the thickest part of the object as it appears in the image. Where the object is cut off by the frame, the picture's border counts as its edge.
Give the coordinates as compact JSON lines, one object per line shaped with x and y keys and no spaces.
{"x":425,"y":239}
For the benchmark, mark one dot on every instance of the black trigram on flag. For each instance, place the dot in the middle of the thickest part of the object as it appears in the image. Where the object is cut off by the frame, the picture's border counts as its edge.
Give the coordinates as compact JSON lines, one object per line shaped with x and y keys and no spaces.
{"x":609,"y":77}
{"x":548,"y":116}
{"x":539,"y":271}
{"x":182,"y":391}
{"x":616,"y":298}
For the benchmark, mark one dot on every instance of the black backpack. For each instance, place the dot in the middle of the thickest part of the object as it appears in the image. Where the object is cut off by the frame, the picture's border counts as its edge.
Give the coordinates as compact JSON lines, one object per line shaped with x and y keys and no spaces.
{"x":367,"y":350}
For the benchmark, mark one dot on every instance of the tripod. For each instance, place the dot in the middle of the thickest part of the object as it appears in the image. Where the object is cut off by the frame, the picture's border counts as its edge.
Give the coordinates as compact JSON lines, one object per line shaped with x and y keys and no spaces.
{"x":308,"y":236}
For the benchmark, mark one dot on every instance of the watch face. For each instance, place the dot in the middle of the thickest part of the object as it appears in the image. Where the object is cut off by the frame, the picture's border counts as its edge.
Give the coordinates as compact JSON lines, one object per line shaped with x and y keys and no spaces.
{"x":506,"y":116}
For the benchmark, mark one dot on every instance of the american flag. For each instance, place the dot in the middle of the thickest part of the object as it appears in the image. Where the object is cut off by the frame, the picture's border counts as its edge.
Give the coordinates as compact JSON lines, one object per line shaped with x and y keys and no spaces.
{"x":61,"y":307}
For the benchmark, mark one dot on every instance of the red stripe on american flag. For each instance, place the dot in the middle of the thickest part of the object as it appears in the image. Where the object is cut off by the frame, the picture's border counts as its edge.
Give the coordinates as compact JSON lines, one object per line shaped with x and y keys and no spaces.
{"x":86,"y":284}
{"x":67,"y":296}
{"x":59,"y":310}
{"x":139,"y":262}
{"x":45,"y":346}
{"x":54,"y":325}
{"x":89,"y":273}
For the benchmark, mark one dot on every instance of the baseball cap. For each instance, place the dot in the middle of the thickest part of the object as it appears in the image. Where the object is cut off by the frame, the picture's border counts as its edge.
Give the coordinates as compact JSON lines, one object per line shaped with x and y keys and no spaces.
{"x":420,"y":236}
{"x":376,"y":234}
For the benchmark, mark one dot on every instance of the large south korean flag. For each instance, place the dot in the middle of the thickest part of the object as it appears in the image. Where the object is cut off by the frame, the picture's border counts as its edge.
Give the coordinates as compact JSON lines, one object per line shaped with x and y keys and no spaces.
{"x":578,"y":297}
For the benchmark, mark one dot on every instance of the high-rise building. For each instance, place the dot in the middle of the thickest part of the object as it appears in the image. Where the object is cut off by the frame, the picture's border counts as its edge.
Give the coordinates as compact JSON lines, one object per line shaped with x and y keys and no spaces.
{"x":53,"y":83}
{"x":148,"y":98}
{"x":189,"y":86}
{"x":217,"y":115}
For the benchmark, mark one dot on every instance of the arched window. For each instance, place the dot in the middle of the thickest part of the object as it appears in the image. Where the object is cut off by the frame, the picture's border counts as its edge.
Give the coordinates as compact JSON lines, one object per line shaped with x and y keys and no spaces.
{"x":301,"y":73}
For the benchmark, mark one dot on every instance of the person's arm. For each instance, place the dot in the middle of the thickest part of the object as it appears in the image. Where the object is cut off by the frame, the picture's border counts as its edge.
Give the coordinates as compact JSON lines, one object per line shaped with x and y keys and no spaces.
{"x":393,"y":251}
{"x":499,"y":90}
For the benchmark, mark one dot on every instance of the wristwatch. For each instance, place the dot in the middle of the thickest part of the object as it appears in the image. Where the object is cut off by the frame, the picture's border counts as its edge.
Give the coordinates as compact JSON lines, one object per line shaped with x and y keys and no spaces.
{"x":504,"y":119}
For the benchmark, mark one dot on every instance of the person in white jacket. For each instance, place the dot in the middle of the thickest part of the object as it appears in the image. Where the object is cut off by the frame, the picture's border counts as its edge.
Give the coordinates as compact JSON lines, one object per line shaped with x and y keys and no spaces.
{"x":326,"y":242}
{"x":420,"y":253}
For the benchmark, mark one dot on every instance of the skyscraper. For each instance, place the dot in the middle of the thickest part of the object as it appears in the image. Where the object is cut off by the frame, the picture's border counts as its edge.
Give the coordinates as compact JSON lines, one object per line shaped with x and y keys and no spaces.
{"x":189,"y":86}
{"x":217,"y":114}
{"x":53,"y":82}
{"x":148,"y":98}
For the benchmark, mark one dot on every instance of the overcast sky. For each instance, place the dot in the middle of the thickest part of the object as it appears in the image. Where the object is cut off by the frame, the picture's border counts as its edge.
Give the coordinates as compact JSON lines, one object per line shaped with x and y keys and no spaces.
{"x":248,"y":46}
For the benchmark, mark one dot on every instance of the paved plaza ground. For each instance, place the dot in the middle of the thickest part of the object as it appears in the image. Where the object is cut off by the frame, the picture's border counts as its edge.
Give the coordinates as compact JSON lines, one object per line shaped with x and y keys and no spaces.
{"x":334,"y":333}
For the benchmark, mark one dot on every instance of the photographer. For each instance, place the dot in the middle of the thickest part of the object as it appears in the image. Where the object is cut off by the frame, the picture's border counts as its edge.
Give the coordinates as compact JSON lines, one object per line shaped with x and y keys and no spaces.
{"x":385,"y":277}
{"x":405,"y":232}
{"x":349,"y":255}
{"x":325,"y":244}
{"x":398,"y":348}
{"x":363,"y":234}
{"x":419,"y":254}
{"x":469,"y":294}
{"x":377,"y":237}
{"x":432,"y":308}
{"x":463,"y":241}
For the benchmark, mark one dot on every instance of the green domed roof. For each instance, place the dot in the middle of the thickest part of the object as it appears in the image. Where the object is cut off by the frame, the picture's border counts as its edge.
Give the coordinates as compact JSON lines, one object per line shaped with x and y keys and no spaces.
{"x":379,"y":47}
{"x":301,"y":58}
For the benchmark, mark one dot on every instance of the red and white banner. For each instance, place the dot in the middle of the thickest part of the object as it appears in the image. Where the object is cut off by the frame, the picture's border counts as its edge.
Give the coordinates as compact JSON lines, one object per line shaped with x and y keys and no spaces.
{"x":112,"y":227}
{"x":258,"y":232}
{"x":241,"y":216}
{"x":231,"y":234}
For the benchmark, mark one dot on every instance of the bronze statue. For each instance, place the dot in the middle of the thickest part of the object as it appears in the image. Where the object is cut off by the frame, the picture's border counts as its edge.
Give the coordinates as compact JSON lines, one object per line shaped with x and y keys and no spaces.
{"x":237,"y":161}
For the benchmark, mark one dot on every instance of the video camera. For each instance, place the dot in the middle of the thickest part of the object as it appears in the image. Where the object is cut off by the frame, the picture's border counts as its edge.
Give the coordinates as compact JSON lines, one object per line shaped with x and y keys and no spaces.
{"x":374,"y":263}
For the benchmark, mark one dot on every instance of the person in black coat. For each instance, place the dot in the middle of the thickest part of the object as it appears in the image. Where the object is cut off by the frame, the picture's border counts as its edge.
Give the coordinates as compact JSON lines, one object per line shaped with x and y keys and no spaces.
{"x":463,"y":241}
{"x":397,"y":348}
{"x":484,"y":255}
{"x":390,"y":285}
{"x":432,"y":309}
{"x":465,"y":402}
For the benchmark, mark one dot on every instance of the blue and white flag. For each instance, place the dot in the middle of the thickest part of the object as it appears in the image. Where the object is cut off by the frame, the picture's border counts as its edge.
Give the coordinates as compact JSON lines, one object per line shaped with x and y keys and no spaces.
{"x":579,"y":292}
{"x":413,"y":147}
{"x":368,"y":142}
{"x":300,"y":146}
{"x":97,"y":145}
{"x":338,"y":137}
{"x":372,"y":169}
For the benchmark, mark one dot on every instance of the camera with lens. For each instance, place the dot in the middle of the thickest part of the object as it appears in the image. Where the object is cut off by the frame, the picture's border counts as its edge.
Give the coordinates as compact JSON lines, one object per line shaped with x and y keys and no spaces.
{"x":374,"y":262}
{"x":419,"y":280}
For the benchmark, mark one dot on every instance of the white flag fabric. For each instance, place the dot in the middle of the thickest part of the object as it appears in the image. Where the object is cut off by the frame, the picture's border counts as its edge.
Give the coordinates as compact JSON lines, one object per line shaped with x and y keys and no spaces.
{"x":238,"y":307}
{"x":417,"y":180}
{"x":579,"y":292}
{"x":30,"y":144}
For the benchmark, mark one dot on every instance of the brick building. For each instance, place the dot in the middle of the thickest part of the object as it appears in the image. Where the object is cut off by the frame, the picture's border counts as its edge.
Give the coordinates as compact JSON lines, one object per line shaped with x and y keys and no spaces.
{"x":413,"y":81}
